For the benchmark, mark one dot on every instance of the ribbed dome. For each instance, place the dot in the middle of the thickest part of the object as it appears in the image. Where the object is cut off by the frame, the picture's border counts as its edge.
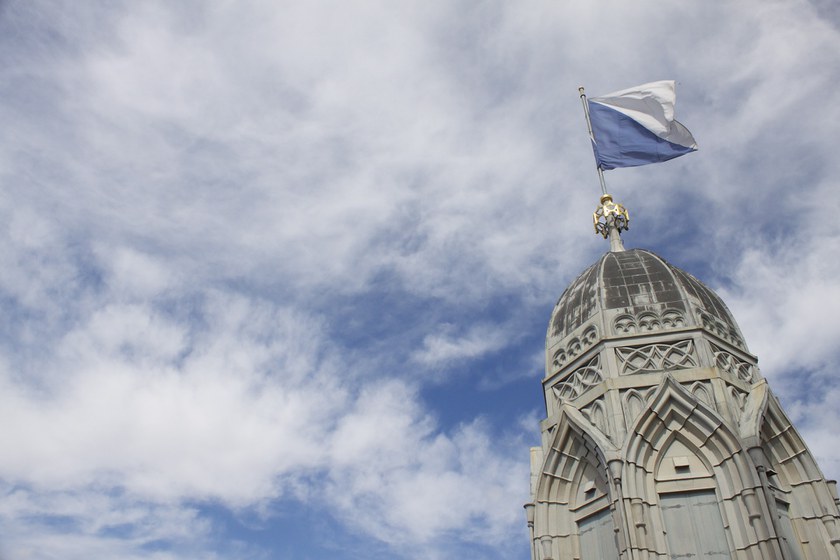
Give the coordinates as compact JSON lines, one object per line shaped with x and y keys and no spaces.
{"x":631,"y":287}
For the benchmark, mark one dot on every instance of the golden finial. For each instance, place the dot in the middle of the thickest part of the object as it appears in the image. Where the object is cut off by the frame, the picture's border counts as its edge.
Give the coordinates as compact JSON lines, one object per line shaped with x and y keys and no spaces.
{"x":611,"y":217}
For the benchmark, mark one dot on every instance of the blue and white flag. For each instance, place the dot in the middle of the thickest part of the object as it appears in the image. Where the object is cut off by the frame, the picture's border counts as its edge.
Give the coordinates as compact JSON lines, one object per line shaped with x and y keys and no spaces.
{"x":636,"y":126}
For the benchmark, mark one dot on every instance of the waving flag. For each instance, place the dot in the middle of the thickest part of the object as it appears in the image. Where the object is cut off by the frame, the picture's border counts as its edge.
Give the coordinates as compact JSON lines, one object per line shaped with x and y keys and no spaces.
{"x":636,"y":126}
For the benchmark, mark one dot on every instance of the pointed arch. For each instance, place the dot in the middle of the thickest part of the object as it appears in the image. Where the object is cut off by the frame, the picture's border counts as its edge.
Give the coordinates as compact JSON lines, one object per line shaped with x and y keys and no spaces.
{"x":808,"y":512}
{"x":634,"y":403}
{"x":680,"y":459}
{"x":700,"y":390}
{"x":576,"y":443}
{"x":673,"y":408}
{"x":674,"y":413}
{"x":574,"y":473}
{"x":597,"y":415}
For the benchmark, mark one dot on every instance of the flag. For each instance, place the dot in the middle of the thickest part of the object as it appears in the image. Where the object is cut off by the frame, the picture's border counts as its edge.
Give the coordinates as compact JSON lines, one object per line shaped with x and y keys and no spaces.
{"x":636,"y":126}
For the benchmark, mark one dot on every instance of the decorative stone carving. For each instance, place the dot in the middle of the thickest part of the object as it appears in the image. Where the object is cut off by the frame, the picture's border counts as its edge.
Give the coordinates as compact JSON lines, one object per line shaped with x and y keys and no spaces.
{"x":719,"y":328}
{"x":703,"y":392}
{"x":575,"y":346}
{"x":581,"y":380}
{"x":634,"y":401}
{"x":737,"y":399}
{"x":624,"y":324}
{"x":733,"y":365}
{"x":596,"y":414}
{"x":679,"y":461}
{"x":656,"y":357}
{"x":648,"y":321}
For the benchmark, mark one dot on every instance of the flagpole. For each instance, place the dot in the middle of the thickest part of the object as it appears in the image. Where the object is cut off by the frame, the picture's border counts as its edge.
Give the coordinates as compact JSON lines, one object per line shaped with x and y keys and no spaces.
{"x":610,"y":218}
{"x":592,"y":138}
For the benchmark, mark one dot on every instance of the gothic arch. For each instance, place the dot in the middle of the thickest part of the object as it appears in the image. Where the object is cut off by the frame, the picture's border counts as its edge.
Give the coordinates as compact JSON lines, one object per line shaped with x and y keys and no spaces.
{"x":798,"y":485}
{"x":676,"y":444}
{"x":574,"y":473}
{"x":701,"y":390}
{"x":633,"y":402}
{"x":675,"y":413}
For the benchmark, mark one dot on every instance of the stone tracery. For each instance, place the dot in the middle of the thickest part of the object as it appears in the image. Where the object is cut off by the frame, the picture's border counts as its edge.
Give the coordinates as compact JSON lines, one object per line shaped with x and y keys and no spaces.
{"x":665,"y":412}
{"x":656,"y":357}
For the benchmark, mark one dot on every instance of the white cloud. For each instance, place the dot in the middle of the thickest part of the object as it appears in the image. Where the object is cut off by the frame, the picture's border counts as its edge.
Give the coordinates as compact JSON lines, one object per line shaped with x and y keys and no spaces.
{"x":131,"y":400}
{"x":789,"y":296}
{"x":160,"y":413}
{"x":413,"y":487}
{"x":78,"y":524}
{"x":135,"y":274}
{"x":445,"y":346}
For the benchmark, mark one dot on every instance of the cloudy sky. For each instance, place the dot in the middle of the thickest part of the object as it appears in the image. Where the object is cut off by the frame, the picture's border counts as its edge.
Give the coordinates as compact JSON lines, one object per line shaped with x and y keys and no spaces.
{"x":275,"y":276}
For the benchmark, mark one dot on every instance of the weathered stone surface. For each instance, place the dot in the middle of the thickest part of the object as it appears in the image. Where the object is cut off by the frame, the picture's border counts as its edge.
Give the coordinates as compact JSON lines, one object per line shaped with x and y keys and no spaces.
{"x":662,"y":440}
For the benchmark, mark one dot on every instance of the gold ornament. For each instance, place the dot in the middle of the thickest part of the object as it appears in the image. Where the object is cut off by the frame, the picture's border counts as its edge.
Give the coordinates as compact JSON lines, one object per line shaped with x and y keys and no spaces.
{"x":610,"y":215}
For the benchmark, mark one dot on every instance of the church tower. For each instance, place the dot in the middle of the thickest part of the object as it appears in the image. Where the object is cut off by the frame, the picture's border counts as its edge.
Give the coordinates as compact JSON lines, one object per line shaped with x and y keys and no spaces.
{"x":662,"y":440}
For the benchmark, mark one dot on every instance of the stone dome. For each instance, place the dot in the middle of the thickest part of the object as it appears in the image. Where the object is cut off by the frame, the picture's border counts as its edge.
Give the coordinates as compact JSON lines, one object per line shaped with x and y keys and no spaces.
{"x":636,"y":291}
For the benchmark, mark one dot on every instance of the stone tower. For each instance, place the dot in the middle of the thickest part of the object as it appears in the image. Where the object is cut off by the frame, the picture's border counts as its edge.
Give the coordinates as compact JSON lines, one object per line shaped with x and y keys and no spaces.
{"x":661,"y":437}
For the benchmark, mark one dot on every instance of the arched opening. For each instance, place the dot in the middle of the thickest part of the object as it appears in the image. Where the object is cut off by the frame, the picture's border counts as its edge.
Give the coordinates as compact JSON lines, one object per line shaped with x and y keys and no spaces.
{"x":688,"y":484}
{"x":688,"y":502}
{"x":573,"y":519}
{"x":801,"y":498}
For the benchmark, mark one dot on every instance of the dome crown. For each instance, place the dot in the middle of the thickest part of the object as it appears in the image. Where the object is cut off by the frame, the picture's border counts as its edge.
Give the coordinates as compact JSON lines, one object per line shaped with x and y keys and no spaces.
{"x":633,"y":289}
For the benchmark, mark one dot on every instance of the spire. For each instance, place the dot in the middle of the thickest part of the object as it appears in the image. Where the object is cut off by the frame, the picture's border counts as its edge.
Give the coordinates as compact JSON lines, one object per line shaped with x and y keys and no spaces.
{"x":610,"y":219}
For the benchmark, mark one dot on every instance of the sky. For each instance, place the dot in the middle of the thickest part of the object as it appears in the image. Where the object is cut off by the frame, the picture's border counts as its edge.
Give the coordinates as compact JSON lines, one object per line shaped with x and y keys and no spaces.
{"x":275,"y":276}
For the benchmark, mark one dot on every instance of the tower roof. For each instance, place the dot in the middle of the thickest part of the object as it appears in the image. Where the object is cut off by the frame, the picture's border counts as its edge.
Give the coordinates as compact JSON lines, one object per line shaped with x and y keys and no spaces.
{"x":631,"y":283}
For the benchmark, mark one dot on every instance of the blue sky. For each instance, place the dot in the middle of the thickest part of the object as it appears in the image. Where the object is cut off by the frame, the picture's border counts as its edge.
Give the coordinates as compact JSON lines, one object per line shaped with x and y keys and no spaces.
{"x":276,"y":276}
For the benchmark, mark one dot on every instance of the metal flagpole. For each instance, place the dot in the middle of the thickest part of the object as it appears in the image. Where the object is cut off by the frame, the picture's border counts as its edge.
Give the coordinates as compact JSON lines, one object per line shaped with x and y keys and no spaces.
{"x":610,"y":218}
{"x":592,"y":139}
